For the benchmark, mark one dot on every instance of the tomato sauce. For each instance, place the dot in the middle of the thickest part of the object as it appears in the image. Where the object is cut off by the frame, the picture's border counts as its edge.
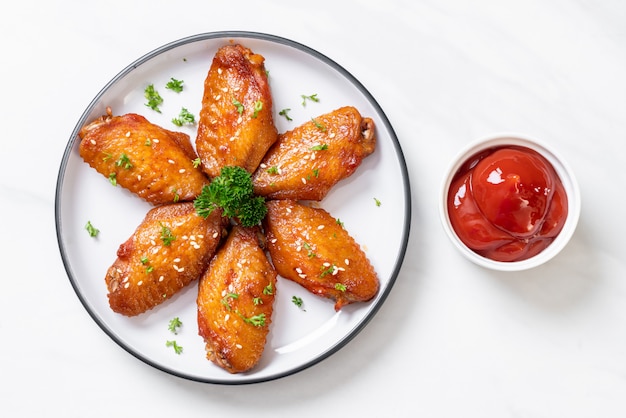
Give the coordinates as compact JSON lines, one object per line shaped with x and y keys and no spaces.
{"x":507,"y":203}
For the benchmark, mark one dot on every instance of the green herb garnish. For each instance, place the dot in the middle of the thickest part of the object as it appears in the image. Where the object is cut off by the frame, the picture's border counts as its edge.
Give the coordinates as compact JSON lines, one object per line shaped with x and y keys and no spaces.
{"x":175,"y":85}
{"x":177,"y":348}
{"x":232,"y":191}
{"x":93,"y":232}
{"x":320,"y":147}
{"x":166,"y":235}
{"x":154,"y":98}
{"x":184,"y":118}
{"x":174,"y":325}
{"x":312,"y":98}
{"x":284,"y":113}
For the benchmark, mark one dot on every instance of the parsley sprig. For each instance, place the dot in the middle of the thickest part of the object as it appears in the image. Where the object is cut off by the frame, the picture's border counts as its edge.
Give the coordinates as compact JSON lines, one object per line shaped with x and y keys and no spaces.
{"x":232,"y":191}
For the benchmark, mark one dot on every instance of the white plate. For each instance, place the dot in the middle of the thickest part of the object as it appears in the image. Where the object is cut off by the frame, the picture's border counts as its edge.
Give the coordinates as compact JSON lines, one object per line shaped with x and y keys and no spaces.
{"x":299,"y":337}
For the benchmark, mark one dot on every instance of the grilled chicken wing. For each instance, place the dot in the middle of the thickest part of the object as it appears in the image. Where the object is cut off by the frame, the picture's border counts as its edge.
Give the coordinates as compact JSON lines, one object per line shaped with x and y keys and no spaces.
{"x":236,"y":125}
{"x":150,"y":161}
{"x":235,"y":302}
{"x":169,"y":249}
{"x":308,"y":246}
{"x":306,"y":162}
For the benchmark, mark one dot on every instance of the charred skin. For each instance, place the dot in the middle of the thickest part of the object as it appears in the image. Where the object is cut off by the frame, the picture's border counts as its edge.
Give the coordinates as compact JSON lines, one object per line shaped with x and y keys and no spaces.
{"x":239,"y":284}
{"x":308,"y":246}
{"x":307,"y":162}
{"x":154,"y":163}
{"x":236,"y":125}
{"x":171,"y":248}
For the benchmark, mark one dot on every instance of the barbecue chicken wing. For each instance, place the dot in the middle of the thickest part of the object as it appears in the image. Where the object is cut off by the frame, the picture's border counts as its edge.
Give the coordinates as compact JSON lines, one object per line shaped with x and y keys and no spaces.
{"x":236,"y":125}
{"x":308,"y":246}
{"x":306,"y":162}
{"x":150,"y":161}
{"x":235,"y":302}
{"x":169,"y":249}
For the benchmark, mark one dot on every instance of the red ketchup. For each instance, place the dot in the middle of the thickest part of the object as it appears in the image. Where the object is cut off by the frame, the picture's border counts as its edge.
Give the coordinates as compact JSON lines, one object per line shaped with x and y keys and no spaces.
{"x":507,"y":203}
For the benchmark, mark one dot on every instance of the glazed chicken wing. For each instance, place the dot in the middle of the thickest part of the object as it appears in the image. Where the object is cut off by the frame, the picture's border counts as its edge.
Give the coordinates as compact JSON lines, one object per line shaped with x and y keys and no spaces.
{"x":150,"y":161}
{"x":236,"y":125}
{"x":235,"y":302}
{"x":308,"y":246}
{"x":169,"y":249}
{"x":306,"y":162}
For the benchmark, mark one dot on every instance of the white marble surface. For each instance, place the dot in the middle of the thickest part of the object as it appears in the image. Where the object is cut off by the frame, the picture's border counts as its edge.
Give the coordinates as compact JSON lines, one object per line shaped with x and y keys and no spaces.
{"x":452,"y":339}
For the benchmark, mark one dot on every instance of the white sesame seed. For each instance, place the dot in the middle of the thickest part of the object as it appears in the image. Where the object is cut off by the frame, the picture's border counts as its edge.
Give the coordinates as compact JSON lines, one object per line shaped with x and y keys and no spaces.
{"x":326,"y":264}
{"x":177,"y":260}
{"x":239,"y":346}
{"x":126,"y":285}
{"x":288,"y":210}
{"x":201,"y":236}
{"x":225,"y":89}
{"x":155,"y":140}
{"x":227,"y":317}
{"x":233,"y":138}
{"x":138,"y":177}
{"x":263,"y":165}
{"x":347,"y":262}
{"x":192,"y":237}
{"x":161,"y":278}
{"x":181,"y":171}
{"x":312,"y":156}
{"x":299,"y":247}
{"x":303,"y":180}
{"x":184,"y":237}
{"x":298,"y":270}
{"x":239,"y":119}
{"x":302,"y":276}
{"x":93,"y":142}
{"x":219,"y":71}
{"x":331,"y":135}
{"x":320,"y":227}
{"x":171,"y":161}
{"x":140,"y":282}
{"x":215,"y":234}
{"x":219,"y":96}
{"x":236,"y":89}
{"x":273,"y":240}
{"x":152,"y":242}
{"x":128,"y":134}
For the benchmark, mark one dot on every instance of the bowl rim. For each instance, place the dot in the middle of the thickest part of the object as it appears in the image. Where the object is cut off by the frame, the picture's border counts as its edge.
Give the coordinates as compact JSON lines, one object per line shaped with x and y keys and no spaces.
{"x":563,"y":170}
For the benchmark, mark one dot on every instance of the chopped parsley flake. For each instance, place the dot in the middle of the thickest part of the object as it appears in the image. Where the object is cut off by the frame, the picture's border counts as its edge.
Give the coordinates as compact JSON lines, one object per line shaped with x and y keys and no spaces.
{"x":184,"y":118}
{"x":154,"y":98}
{"x":258,"y":106}
{"x":174,"y":325}
{"x":312,"y":98}
{"x":297,"y":301}
{"x":124,"y":161}
{"x":319,"y":125}
{"x":166,"y":235}
{"x":284,"y":113}
{"x":377,"y":202}
{"x":93,"y":232}
{"x":177,"y":348}
{"x":175,"y":85}
{"x":340,"y":286}
{"x":238,"y":105}
{"x":320,"y":147}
